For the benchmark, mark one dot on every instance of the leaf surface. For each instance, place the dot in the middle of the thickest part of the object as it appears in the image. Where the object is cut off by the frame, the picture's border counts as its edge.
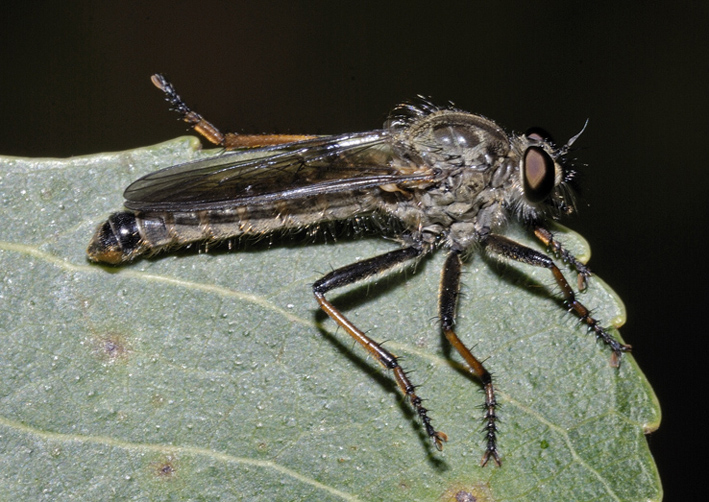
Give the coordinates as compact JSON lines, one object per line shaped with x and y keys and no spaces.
{"x":215,"y":377}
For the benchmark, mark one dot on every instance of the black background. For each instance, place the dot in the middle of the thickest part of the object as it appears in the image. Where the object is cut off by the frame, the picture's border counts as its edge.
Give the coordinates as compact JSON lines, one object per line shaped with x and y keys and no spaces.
{"x":74,"y":81}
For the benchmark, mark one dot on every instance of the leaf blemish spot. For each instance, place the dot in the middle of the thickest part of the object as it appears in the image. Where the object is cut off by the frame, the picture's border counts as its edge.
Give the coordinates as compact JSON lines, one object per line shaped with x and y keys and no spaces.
{"x":165,"y":469}
{"x":158,"y":401}
{"x":469,"y":493}
{"x":111,"y":347}
{"x":463,"y":496}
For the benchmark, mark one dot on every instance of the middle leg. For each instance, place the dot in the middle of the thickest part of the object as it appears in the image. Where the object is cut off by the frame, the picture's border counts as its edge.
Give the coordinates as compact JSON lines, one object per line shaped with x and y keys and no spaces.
{"x":448,"y":301}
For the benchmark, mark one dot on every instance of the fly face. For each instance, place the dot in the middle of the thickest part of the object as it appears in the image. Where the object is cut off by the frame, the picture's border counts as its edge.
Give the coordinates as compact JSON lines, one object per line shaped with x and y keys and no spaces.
{"x":448,"y":178}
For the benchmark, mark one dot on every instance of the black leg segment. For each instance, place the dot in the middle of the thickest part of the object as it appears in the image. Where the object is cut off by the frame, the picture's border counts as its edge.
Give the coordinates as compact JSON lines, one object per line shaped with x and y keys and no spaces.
{"x":560,"y":251}
{"x":356,"y":272}
{"x":448,"y":301}
{"x":511,"y":249}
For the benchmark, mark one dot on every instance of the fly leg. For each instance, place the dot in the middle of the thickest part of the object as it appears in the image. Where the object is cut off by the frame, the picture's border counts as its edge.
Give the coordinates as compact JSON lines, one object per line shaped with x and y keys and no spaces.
{"x":448,"y":301}
{"x":515,"y":251}
{"x":356,"y":272}
{"x":209,"y":131}
{"x":560,"y":251}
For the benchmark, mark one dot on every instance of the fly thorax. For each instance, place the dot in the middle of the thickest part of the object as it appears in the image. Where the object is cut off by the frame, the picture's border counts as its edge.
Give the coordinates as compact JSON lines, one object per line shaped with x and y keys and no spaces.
{"x":449,"y":139}
{"x":458,"y":197}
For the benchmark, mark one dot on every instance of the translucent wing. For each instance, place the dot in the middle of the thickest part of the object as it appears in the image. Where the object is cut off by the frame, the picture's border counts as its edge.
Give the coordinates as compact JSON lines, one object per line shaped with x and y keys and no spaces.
{"x":297,"y":170}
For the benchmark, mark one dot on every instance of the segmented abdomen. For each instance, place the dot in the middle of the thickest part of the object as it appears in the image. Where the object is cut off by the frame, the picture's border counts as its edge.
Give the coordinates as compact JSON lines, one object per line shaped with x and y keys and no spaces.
{"x":175,"y":229}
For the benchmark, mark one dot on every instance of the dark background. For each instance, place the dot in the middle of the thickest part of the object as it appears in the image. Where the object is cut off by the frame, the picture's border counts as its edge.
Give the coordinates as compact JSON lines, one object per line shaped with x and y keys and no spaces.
{"x":74,"y":81}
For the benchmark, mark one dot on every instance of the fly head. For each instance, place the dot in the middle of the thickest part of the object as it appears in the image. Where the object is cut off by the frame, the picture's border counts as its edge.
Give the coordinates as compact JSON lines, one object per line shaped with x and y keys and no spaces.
{"x":538,"y":184}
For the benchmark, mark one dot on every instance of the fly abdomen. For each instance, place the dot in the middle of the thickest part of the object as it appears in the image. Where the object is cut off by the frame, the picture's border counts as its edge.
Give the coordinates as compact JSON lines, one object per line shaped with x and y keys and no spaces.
{"x":126,"y":236}
{"x":117,"y":240}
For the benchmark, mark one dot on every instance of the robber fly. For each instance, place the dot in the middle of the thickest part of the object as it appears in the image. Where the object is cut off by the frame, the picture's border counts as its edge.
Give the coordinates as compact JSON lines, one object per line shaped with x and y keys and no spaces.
{"x":450,"y":180}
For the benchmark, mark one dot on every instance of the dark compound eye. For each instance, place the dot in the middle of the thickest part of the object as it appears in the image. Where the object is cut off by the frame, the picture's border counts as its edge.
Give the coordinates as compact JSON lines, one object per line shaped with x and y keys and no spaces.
{"x":539,"y":134}
{"x":539,"y":174}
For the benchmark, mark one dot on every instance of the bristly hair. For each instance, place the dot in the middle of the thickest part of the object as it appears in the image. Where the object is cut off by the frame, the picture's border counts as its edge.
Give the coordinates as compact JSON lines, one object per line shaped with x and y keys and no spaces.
{"x":562,"y":201}
{"x":565,"y":201}
{"x":409,"y":111}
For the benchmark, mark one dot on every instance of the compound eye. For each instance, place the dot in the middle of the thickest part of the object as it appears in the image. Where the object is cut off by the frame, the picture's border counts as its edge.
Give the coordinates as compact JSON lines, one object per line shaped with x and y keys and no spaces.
{"x":539,"y":174}
{"x":539,"y":134}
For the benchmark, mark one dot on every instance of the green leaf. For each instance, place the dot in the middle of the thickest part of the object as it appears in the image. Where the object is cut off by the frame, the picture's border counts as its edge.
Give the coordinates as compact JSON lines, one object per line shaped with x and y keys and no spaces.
{"x":215,"y":377}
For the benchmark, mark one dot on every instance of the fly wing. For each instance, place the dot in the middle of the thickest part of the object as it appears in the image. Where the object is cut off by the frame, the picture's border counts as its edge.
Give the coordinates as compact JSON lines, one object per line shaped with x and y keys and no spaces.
{"x":297,"y":170}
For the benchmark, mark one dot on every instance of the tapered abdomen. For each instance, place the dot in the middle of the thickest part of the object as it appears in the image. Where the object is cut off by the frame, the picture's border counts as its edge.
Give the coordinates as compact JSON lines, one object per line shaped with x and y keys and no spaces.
{"x":126,"y":236}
